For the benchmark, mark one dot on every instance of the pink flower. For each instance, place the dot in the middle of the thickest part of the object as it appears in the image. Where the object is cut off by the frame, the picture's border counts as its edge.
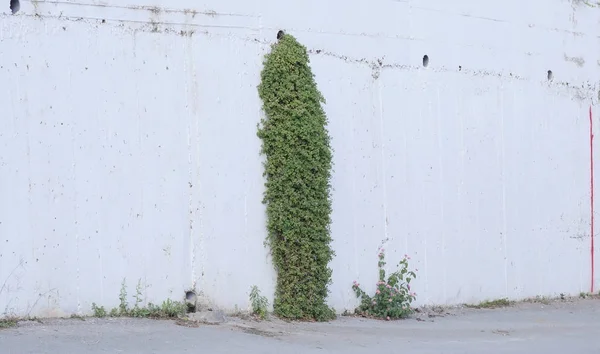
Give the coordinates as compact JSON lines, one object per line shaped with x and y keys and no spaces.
{"x":378,"y":292}
{"x":408,"y":286}
{"x":354,"y":282}
{"x":382,"y":250}
{"x":388,"y":318}
{"x":389,"y":286}
{"x":389,"y":300}
{"x":374,"y":302}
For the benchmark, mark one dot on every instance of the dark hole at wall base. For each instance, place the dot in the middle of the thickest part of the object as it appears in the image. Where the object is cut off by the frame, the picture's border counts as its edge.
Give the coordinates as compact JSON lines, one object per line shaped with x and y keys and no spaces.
{"x":280,"y":34}
{"x":191,"y":300}
{"x":550,"y":75}
{"x":425,"y":61}
{"x":15,"y":6}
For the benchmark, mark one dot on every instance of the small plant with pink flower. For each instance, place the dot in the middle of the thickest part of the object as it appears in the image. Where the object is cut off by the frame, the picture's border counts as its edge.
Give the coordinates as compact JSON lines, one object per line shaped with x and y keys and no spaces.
{"x":393,"y":295}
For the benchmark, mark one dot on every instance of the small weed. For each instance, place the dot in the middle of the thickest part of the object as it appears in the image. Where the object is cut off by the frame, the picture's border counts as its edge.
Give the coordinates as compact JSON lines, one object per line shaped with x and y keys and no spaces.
{"x":8,"y":323}
{"x":259,"y":303}
{"x":168,"y":309}
{"x":123,"y":299}
{"x":138,"y":294}
{"x":492,"y":304}
{"x":236,"y":311}
{"x":589,"y":295}
{"x":138,"y":311}
{"x":99,"y":311}
{"x":393,"y":296}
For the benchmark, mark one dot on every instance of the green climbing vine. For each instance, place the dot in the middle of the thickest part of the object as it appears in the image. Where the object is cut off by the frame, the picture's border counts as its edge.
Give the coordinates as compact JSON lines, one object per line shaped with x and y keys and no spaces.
{"x":298,"y":167}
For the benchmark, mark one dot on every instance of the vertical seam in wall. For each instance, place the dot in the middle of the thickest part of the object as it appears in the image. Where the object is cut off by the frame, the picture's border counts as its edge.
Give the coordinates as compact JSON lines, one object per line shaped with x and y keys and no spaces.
{"x":198,"y":249}
{"x":76,"y":225}
{"x":441,"y":190}
{"x":140,"y":218}
{"x":30,"y":214}
{"x":503,"y":181}
{"x":74,"y":177}
{"x":354,"y":194}
{"x":591,"y":201}
{"x":424,"y":235}
{"x":383,"y":170}
{"x":190,"y":170}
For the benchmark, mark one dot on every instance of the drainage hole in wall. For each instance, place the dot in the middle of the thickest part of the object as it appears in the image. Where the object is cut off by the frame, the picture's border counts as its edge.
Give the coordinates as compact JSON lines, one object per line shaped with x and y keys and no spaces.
{"x":425,"y":60}
{"x":191,"y":300}
{"x":15,"y":6}
{"x":190,"y":295}
{"x":459,"y":68}
{"x":550,"y":75}
{"x":280,"y":34}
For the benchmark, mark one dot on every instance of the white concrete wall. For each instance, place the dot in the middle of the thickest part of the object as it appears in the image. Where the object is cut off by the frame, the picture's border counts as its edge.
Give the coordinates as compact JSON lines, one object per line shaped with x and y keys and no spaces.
{"x":129,"y":148}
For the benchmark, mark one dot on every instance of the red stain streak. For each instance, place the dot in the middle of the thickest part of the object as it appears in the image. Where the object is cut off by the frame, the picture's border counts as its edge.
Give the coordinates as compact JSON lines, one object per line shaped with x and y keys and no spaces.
{"x":592,"y":196}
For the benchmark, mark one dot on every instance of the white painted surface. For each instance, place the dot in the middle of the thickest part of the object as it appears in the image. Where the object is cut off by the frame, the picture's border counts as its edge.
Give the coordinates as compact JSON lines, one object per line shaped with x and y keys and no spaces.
{"x":130,"y":150}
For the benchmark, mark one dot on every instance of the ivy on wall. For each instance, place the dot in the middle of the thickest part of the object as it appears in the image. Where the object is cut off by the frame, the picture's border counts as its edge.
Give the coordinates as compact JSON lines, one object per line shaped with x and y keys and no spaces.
{"x":298,"y":167}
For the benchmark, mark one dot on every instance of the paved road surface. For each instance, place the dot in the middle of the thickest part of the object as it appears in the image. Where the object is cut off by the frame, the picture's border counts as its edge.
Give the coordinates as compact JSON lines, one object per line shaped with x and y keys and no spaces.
{"x":572,"y":327}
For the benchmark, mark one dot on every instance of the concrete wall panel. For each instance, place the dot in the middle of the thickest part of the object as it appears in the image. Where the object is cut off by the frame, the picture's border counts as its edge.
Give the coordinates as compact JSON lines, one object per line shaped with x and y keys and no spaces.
{"x":128,"y":132}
